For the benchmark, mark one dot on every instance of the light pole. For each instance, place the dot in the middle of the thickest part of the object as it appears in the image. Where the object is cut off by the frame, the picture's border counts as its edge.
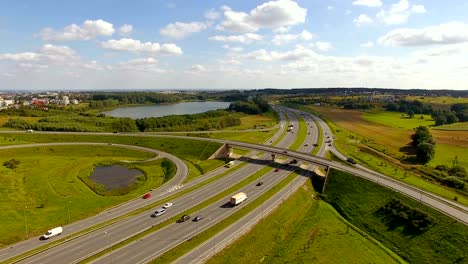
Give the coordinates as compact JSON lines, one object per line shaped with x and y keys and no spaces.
{"x":25,"y":222}
{"x":68,"y":209}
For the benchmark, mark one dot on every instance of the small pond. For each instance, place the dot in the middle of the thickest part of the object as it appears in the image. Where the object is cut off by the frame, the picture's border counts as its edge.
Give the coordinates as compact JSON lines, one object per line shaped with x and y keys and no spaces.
{"x":115,"y":176}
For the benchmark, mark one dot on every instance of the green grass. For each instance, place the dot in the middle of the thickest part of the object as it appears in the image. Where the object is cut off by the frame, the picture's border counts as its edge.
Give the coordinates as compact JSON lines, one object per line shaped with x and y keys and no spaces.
{"x":135,"y":212}
{"x":301,"y":134}
{"x":46,"y":185}
{"x":358,"y":201}
{"x":455,"y":126}
{"x":246,"y":136}
{"x":180,"y":250}
{"x":281,"y":237}
{"x":446,"y":154}
{"x":239,"y":151}
{"x":394,"y":119}
{"x":190,"y":150}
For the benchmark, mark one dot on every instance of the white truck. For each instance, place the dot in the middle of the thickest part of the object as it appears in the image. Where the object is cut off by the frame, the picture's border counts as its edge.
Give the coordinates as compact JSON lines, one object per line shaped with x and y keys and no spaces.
{"x":238,"y":198}
{"x":53,"y":232}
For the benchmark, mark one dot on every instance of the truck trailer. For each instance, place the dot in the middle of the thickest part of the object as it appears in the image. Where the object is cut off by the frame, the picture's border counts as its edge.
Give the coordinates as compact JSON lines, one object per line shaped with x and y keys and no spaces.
{"x":238,"y":198}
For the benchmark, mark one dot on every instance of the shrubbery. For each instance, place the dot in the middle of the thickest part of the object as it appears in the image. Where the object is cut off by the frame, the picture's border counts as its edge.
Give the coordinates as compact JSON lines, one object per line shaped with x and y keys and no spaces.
{"x":424,"y":143}
{"x":11,"y":164}
{"x":398,"y":214}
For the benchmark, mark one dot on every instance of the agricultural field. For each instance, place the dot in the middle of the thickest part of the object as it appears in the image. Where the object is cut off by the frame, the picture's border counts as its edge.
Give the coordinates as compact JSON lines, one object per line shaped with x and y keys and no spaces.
{"x":45,"y":189}
{"x":398,"y":120}
{"x":387,"y":136}
{"x":444,"y":241}
{"x":439,"y":102}
{"x":254,"y":122}
{"x":455,"y":126}
{"x":305,"y":230}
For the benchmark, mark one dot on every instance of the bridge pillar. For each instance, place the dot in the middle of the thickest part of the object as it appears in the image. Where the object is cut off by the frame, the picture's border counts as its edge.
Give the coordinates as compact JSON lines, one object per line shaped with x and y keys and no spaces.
{"x":273,"y":156}
{"x":326,"y":179}
{"x":225,"y":151}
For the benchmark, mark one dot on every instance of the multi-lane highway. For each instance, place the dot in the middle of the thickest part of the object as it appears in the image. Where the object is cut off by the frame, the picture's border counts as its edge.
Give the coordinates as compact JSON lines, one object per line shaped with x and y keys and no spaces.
{"x":97,"y":240}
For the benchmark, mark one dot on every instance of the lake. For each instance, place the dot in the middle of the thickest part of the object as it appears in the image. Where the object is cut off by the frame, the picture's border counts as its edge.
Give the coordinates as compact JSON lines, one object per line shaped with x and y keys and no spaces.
{"x":166,"y":109}
{"x":115,"y":176}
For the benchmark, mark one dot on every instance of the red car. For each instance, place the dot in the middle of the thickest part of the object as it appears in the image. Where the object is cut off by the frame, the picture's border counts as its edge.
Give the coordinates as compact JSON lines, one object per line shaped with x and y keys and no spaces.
{"x":146,"y":196}
{"x":276,"y":170}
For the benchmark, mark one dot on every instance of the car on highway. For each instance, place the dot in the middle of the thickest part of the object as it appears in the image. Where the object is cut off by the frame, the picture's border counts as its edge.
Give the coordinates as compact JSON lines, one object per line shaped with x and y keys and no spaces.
{"x":167,"y":205}
{"x":159,"y":212}
{"x":198,"y":218}
{"x":306,"y":145}
{"x":276,"y":170}
{"x":285,"y":152}
{"x":146,"y":196}
{"x":259,"y":183}
{"x":315,"y":145}
{"x":329,"y":145}
{"x":183,"y":218}
{"x":350,"y":160}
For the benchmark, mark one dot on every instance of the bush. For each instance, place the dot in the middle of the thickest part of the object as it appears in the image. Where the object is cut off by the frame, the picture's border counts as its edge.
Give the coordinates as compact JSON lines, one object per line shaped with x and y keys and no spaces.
{"x":454,"y":182}
{"x":11,"y":164}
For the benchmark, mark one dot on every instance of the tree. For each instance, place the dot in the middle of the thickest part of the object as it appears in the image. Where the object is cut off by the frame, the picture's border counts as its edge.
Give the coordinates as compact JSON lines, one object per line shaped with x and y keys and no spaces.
{"x":440,"y":120}
{"x":425,"y":152}
{"x":422,"y":134}
{"x":410,"y":113}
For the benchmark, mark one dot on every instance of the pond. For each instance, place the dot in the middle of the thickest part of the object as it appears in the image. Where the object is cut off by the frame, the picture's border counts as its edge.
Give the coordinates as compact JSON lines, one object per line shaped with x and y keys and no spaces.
{"x":115,"y":176}
{"x":166,"y":109}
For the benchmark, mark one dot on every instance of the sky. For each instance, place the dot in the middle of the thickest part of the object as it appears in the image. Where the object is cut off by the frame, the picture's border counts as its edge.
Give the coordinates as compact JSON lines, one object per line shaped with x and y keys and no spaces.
{"x":238,"y":44}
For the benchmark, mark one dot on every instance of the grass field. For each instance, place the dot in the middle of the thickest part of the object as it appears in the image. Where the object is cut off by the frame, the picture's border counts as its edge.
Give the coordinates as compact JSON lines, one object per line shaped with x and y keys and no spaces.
{"x":439,"y":101}
{"x":395,"y":119}
{"x":445,"y":242}
{"x":246,"y":136}
{"x":190,"y":150}
{"x":45,"y":186}
{"x":281,"y":237}
{"x":255,"y":122}
{"x":455,"y":126}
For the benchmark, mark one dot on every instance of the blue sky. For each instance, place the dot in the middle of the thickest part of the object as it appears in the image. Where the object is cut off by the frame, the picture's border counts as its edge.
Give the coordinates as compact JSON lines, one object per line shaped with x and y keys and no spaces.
{"x":183,"y":44}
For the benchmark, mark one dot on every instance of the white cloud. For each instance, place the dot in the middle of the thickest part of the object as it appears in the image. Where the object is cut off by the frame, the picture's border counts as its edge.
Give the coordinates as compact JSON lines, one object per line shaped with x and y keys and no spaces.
{"x":323,"y":46}
{"x":329,"y":8}
{"x":273,"y":14}
{"x":298,"y":53}
{"x":362,"y":19}
{"x":212,"y":14}
{"x":418,"y":9}
{"x":179,"y":30}
{"x":286,"y":38}
{"x":449,"y":33}
{"x":47,"y":53}
{"x":126,"y":44}
{"x":348,"y":12}
{"x":90,"y":29}
{"x":141,"y":65}
{"x":197,"y":68}
{"x":24,"y":56}
{"x":244,"y":38}
{"x":369,"y":3}
{"x":399,"y":12}
{"x":125,"y":30}
{"x":368,"y":44}
{"x":233,"y":49}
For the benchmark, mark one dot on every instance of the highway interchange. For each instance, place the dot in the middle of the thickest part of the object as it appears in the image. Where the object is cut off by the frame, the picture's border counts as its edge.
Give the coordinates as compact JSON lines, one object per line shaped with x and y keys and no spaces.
{"x":156,"y":243}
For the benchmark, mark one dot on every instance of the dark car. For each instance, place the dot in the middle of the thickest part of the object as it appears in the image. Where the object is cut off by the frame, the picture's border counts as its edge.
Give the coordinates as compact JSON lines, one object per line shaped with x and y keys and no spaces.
{"x":350,"y":160}
{"x":183,"y":218}
{"x":276,"y":170}
{"x":259,"y":183}
{"x":285,"y":152}
{"x":315,"y":145}
{"x":198,"y":218}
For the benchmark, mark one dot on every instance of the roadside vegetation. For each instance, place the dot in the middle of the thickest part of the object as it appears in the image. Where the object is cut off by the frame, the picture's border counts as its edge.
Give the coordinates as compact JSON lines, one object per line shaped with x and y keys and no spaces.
{"x":301,"y":134}
{"x":392,"y":219}
{"x":389,"y":150}
{"x":40,"y":193}
{"x":305,"y":230}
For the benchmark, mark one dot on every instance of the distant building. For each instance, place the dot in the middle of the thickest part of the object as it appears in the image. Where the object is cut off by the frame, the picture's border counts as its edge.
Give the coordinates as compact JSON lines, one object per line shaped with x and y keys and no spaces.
{"x":74,"y":101}
{"x":65,"y":100}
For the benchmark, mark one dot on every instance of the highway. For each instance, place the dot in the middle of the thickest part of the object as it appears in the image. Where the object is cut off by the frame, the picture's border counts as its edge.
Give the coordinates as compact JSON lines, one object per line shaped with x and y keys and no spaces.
{"x":109,"y":235}
{"x":63,"y":254}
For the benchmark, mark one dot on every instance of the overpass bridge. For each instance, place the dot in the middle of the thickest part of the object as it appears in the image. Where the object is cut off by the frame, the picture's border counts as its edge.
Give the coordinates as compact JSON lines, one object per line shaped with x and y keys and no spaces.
{"x":446,"y":206}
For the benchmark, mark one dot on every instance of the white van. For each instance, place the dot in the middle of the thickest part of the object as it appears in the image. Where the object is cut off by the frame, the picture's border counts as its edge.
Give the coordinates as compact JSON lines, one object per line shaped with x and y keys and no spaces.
{"x":159,"y":212}
{"x":53,"y":232}
{"x":29,"y":131}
